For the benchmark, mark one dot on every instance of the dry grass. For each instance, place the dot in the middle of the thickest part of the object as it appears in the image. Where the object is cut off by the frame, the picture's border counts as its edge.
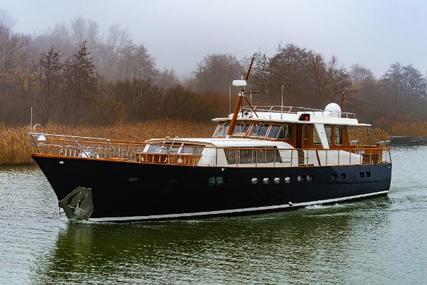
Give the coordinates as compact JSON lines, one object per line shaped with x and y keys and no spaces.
{"x":412,"y":129}
{"x":368,"y":136}
{"x":15,"y":146}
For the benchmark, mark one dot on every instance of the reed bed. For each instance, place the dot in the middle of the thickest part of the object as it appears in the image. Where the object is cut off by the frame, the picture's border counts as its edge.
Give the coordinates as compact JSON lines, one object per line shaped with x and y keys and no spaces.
{"x":412,"y":129}
{"x":368,"y":136}
{"x":16,"y":148}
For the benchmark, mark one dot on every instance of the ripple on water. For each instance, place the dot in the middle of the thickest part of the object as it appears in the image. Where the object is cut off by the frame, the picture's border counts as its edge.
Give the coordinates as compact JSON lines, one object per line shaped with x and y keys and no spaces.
{"x":375,"y":241}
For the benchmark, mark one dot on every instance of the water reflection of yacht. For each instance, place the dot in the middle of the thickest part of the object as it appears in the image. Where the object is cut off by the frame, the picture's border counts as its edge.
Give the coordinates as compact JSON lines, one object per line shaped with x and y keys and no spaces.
{"x":260,"y":159}
{"x":214,"y":250}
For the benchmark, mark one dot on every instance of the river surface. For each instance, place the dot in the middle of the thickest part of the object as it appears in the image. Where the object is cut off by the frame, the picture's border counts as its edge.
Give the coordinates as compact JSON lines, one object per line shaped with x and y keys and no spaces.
{"x":376,"y":241}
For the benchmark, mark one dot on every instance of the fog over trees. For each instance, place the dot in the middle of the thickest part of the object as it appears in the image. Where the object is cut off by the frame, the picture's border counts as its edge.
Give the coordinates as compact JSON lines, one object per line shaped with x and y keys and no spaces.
{"x":73,"y":74}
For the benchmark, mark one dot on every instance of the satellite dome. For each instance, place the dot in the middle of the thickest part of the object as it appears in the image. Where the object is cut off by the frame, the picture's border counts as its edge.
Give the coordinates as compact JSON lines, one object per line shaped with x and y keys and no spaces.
{"x":334,"y":109}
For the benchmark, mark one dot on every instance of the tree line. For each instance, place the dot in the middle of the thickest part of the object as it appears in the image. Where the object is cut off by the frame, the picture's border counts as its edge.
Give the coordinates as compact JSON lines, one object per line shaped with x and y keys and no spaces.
{"x":73,"y":75}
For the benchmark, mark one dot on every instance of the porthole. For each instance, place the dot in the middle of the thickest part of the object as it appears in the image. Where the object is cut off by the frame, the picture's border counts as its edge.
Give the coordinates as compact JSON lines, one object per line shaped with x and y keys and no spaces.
{"x":214,"y":181}
{"x":254,"y":180}
{"x":300,"y":178}
{"x":265,"y":180}
{"x":287,"y":180}
{"x":219,"y":180}
{"x":276,"y":180}
{"x":343,"y":176}
{"x":362,"y":174}
{"x":368,"y":174}
{"x":309,"y":178}
{"x":211,"y":181}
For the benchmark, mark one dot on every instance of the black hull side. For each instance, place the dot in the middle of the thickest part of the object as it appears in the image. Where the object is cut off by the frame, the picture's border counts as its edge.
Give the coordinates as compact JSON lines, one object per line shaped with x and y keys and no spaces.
{"x":134,"y":191}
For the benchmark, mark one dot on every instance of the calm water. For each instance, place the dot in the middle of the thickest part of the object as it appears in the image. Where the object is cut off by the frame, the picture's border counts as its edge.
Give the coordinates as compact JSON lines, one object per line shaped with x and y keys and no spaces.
{"x":378,"y":241}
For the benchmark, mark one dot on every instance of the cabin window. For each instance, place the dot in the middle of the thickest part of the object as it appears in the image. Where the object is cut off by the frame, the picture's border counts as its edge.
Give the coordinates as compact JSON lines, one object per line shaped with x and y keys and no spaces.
{"x":285,"y":132}
{"x":316,"y":138}
{"x":240,"y":129}
{"x":328,"y":131}
{"x":221,"y":130}
{"x":254,"y":129}
{"x":305,"y":131}
{"x":194,"y":150}
{"x":252,"y":156}
{"x":175,"y":149}
{"x":289,"y":131}
{"x":338,"y":135}
{"x":274,"y":131}
{"x":215,"y":181}
{"x":259,"y":130}
{"x":155,"y":148}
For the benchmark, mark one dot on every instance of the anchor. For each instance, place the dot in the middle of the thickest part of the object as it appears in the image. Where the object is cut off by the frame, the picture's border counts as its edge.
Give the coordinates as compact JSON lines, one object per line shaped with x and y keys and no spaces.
{"x":78,"y":205}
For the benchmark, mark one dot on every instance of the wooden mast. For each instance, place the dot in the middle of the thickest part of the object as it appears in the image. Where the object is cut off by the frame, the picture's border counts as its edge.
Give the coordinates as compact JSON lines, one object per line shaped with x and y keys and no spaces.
{"x":239,"y":102}
{"x":342,"y":100}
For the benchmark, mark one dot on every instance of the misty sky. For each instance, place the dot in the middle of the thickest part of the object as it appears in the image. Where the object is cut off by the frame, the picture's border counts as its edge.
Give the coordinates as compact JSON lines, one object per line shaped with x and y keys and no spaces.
{"x":178,"y":34}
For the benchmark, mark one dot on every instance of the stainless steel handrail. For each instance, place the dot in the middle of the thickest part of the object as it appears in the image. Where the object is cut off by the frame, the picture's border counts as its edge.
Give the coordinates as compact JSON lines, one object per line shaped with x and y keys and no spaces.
{"x":102,"y":148}
{"x":293,"y":110}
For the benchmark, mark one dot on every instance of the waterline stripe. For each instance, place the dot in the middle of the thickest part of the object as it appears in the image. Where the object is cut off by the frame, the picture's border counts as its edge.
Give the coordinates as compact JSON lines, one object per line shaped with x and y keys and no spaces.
{"x":231,"y":211}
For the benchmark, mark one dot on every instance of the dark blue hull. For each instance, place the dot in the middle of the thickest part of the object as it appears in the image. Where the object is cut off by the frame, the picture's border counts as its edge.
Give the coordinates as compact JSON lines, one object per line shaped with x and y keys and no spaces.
{"x":135,"y":191}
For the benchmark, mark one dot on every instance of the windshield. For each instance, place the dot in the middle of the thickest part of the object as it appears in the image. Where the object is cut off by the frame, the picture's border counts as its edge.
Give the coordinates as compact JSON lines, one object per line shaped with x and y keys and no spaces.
{"x":221,"y":130}
{"x":240,"y":129}
{"x":259,"y":130}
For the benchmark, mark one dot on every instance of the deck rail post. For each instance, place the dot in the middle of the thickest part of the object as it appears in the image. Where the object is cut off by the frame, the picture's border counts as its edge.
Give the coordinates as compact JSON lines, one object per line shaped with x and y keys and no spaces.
{"x":239,"y":156}
{"x":326,"y":156}
{"x":292,"y":156}
{"x":274,"y":160}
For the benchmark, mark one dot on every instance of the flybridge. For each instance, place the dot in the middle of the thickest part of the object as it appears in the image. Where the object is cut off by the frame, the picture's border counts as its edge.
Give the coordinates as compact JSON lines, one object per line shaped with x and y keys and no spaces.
{"x":298,"y":115}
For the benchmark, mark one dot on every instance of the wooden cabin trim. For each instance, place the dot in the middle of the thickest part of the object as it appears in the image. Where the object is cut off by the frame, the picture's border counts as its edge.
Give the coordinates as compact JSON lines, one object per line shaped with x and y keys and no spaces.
{"x":306,"y":142}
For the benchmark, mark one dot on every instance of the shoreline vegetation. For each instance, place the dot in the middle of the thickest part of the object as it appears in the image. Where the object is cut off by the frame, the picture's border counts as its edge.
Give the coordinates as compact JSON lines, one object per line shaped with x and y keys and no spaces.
{"x":113,"y":84}
{"x":16,"y":148}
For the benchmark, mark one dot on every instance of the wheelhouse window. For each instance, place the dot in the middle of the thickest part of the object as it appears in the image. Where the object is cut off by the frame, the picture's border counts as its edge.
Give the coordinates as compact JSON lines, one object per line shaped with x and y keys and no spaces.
{"x":280,"y":132}
{"x":274,"y":131}
{"x":259,"y":129}
{"x":240,"y":129}
{"x":221,"y":130}
{"x":305,"y":132}
{"x":338,"y":135}
{"x":316,"y":138}
{"x":328,"y":131}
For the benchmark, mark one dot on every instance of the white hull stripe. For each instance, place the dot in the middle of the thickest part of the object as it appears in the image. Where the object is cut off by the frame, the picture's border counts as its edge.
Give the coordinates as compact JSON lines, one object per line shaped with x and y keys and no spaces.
{"x":231,"y":211}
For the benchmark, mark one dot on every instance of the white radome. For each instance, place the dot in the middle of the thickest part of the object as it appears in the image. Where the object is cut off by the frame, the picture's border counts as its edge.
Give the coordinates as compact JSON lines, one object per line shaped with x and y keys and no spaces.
{"x":334,"y":109}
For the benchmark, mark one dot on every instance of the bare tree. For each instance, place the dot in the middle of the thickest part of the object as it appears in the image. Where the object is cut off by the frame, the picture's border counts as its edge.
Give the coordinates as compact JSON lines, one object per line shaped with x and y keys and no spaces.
{"x":215,"y":73}
{"x":50,"y":75}
{"x":80,"y":84}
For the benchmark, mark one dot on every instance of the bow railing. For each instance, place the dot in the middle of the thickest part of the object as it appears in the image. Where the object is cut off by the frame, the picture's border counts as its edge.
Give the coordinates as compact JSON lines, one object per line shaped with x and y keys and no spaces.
{"x":177,"y":152}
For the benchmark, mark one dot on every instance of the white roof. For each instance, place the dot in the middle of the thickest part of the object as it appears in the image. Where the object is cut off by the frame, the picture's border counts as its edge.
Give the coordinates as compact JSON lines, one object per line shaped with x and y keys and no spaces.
{"x":317,"y":117}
